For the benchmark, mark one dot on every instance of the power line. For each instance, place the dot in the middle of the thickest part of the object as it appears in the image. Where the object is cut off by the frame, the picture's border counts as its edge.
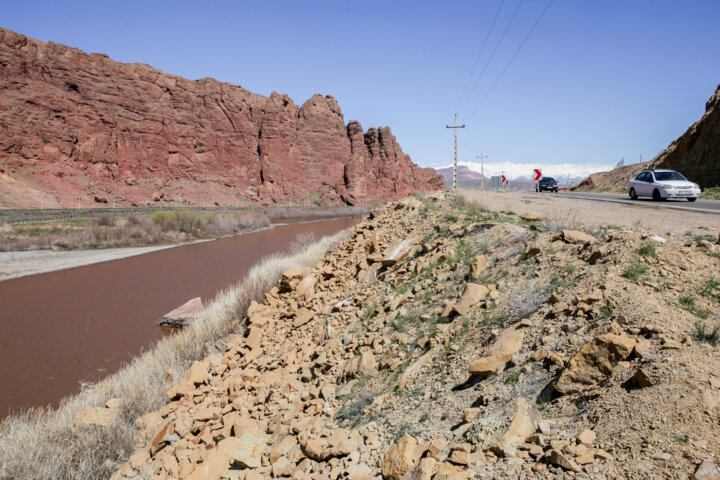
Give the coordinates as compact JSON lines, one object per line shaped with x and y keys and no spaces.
{"x":482,"y":49}
{"x":492,"y":55}
{"x":547,"y":7}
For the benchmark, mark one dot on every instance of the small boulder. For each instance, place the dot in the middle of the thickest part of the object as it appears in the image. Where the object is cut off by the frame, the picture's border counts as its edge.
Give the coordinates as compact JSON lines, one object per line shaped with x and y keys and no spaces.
{"x":502,"y":431}
{"x":641,"y":379}
{"x":575,"y":236}
{"x":556,"y":457}
{"x":594,"y":362}
{"x":507,"y":344}
{"x":478,"y":265}
{"x":184,"y":314}
{"x":586,"y":437}
{"x":707,"y":471}
{"x":399,"y":458}
{"x":473,"y":294}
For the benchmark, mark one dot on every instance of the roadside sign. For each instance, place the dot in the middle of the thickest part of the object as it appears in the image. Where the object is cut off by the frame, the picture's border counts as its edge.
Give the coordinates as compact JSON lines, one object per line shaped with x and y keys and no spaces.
{"x":538,"y":174}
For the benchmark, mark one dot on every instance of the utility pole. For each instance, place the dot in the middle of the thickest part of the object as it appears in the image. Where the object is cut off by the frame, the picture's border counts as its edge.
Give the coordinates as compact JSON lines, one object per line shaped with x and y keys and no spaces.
{"x":482,"y":157}
{"x":42,"y":201}
{"x":455,"y":127}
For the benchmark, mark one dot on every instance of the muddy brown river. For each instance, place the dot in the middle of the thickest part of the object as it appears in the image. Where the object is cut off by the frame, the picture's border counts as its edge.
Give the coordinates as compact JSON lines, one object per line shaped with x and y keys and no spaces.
{"x":61,"y":329}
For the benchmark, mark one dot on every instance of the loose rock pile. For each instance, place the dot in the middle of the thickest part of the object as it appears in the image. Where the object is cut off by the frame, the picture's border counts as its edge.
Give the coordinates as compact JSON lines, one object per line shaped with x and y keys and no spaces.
{"x":446,"y":342}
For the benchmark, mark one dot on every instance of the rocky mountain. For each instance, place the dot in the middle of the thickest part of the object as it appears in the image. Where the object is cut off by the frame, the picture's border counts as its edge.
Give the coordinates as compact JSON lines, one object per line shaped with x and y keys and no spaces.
{"x":82,"y":126}
{"x":696,"y":154}
{"x":467,"y":178}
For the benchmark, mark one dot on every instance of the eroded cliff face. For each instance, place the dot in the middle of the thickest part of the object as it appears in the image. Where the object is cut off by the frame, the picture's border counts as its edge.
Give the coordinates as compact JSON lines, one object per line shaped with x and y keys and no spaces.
{"x":74,"y":125}
{"x":696,"y":154}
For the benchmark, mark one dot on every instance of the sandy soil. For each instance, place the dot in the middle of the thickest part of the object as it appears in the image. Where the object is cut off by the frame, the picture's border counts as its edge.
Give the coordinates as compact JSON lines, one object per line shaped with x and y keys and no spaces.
{"x":20,"y":264}
{"x":573,"y":213}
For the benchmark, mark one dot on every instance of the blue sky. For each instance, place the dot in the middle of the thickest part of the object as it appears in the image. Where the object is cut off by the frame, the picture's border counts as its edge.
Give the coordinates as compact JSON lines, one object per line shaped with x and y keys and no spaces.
{"x":595,"y":82}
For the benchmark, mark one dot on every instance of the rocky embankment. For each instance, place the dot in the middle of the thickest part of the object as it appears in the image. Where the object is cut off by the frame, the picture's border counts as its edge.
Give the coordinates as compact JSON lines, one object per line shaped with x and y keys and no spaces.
{"x":443,"y":341}
{"x":79,"y":127}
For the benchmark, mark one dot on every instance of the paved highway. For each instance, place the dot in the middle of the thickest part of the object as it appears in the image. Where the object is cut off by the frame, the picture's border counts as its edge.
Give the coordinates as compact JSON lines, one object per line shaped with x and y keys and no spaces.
{"x":707,"y":206}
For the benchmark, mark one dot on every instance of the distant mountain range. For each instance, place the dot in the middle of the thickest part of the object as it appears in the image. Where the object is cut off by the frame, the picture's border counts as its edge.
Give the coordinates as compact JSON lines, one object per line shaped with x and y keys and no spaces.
{"x":520,"y":175}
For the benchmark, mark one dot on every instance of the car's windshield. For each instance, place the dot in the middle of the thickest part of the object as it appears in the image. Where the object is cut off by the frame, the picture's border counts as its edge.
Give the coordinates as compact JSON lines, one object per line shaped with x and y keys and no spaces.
{"x":666,"y":176}
{"x":548,"y":179}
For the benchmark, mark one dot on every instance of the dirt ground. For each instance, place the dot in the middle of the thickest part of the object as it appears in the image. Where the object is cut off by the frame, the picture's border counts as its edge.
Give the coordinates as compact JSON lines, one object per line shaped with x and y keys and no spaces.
{"x":573,"y":213}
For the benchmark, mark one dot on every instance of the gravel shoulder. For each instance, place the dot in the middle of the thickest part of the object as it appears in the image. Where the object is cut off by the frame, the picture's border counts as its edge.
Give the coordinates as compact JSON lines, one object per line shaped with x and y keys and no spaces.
{"x":574,"y":213}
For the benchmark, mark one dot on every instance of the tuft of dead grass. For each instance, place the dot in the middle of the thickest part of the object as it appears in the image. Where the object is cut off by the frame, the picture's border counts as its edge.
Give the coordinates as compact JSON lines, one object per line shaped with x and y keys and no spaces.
{"x":47,"y":444}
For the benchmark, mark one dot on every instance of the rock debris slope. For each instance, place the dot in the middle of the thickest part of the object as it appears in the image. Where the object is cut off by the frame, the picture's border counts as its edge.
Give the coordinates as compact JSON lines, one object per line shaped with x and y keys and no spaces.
{"x":73,"y":124}
{"x":444,"y":341}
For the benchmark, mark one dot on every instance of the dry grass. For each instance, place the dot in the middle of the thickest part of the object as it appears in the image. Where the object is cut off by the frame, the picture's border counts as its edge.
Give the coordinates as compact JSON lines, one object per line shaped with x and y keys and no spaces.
{"x":46,"y":444}
{"x":108,"y":231}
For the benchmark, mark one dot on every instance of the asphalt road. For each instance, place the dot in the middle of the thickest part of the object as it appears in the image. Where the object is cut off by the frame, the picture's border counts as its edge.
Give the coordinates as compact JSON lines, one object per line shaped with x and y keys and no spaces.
{"x":700,"y":205}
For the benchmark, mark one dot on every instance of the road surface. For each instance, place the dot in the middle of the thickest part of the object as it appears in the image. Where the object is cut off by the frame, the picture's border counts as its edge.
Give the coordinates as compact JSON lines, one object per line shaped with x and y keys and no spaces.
{"x":707,"y":206}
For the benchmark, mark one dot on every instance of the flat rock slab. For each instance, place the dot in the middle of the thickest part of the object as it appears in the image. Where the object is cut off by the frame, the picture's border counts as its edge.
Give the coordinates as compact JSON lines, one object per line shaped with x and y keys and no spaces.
{"x":184,"y":314}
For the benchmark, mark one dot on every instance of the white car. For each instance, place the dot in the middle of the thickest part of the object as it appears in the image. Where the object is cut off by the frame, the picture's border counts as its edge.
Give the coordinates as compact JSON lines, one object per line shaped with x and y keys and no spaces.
{"x":661,"y":185}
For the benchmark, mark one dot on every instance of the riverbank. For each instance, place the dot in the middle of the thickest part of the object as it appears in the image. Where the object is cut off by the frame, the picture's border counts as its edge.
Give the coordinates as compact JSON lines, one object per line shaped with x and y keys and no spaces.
{"x":45,"y":443}
{"x":21,"y":264}
{"x":65,"y":230}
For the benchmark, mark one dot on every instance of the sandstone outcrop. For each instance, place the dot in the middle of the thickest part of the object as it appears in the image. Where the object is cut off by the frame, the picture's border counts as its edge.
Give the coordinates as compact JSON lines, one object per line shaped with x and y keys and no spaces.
{"x":78,"y":125}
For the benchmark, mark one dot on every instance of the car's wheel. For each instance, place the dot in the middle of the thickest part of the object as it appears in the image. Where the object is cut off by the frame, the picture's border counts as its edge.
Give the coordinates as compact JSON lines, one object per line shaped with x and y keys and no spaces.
{"x":656,"y":195}
{"x":692,"y":199}
{"x":633,"y":195}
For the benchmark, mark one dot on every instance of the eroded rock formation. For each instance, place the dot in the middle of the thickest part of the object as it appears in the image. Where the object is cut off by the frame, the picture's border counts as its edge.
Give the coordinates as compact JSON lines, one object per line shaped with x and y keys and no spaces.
{"x":77,"y":125}
{"x":697,"y":153}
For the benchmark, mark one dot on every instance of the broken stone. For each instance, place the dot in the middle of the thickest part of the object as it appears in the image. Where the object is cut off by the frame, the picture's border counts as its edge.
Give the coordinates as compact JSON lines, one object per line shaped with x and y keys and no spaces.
{"x":574,"y":236}
{"x":594,"y":362}
{"x":707,"y":471}
{"x":555,"y":457}
{"x":586,"y":437}
{"x":641,"y":379}
{"x":478,"y":265}
{"x":399,"y":458}
{"x":473,"y":294}
{"x":507,"y":344}
{"x":502,"y":431}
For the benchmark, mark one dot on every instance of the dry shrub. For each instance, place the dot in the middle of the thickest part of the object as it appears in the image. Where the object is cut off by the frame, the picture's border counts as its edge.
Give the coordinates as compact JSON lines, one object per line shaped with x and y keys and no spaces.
{"x":105,"y":220}
{"x":302,"y":241}
{"x":44,"y":444}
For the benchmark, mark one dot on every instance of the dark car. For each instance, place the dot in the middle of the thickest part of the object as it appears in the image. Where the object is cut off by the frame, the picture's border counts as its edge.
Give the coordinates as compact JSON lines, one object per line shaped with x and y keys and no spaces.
{"x":546,"y":183}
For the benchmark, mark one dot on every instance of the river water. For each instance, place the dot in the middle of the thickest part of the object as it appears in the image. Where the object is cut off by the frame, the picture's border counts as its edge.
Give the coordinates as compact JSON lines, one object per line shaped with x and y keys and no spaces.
{"x":61,"y":329}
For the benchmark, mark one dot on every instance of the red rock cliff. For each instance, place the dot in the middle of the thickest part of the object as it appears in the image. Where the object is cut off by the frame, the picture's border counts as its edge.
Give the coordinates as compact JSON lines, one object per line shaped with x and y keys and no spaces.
{"x":77,"y":125}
